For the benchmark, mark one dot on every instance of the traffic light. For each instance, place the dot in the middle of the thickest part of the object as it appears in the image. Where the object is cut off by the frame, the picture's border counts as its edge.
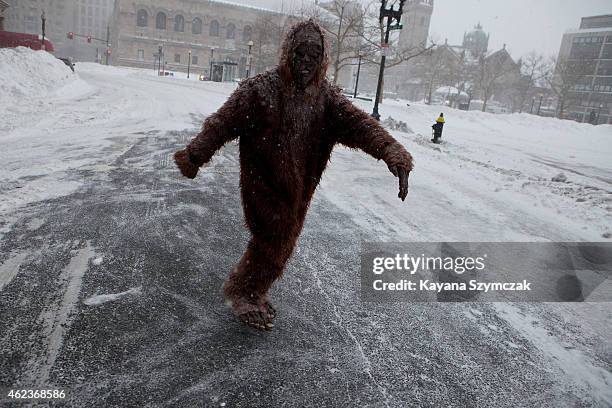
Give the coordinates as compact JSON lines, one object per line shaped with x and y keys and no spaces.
{"x":70,"y":35}
{"x":89,"y":38}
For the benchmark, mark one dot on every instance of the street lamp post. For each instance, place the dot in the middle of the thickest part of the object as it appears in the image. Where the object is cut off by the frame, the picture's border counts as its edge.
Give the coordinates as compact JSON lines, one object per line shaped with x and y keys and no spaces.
{"x":599,"y":113}
{"x":212,"y":56}
{"x":391,"y":15}
{"x":540,"y":104}
{"x":188,"y":64}
{"x":160,"y":49}
{"x":43,"y":21}
{"x":108,"y":45}
{"x":248,"y":74}
{"x":357,"y":79}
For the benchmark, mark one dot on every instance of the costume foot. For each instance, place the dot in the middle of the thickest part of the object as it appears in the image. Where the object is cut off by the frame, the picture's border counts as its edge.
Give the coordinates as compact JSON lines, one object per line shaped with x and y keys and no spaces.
{"x":251,"y":314}
{"x":271,"y":310}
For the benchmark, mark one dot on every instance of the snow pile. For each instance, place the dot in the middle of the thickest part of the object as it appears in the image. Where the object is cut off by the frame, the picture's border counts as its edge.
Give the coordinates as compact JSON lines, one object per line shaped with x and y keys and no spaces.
{"x":27,"y":73}
{"x":398,"y":125}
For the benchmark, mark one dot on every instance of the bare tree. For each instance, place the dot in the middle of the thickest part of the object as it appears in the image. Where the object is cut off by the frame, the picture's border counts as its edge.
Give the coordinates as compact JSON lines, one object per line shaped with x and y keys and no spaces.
{"x":564,"y":77}
{"x":532,"y":73}
{"x":356,"y":30}
{"x":492,"y":71}
{"x":343,"y":22}
{"x":268,"y":34}
{"x":373,"y":38}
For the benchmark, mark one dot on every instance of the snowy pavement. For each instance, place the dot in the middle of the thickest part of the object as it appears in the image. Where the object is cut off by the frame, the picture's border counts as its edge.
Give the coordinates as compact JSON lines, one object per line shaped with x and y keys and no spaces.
{"x":111,"y":264}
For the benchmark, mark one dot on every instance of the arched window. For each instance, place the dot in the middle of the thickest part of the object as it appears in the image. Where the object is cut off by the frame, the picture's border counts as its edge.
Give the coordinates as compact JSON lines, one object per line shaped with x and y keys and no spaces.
{"x":247,"y":33}
{"x":142,"y":18}
{"x":196,"y":26}
{"x":214,"y":28}
{"x":160,"y":21}
{"x":230,"y":31}
{"x":179,"y":23}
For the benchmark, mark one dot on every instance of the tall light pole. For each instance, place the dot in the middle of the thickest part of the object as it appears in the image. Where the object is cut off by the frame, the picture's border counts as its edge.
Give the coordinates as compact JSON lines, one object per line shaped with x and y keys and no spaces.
{"x":212,"y":56}
{"x":599,"y":113}
{"x":107,"y":42}
{"x":249,"y":58}
{"x":43,"y":21}
{"x":391,"y":15}
{"x":160,"y":49}
{"x":357,"y":79}
{"x":188,"y":64}
{"x":540,"y":104}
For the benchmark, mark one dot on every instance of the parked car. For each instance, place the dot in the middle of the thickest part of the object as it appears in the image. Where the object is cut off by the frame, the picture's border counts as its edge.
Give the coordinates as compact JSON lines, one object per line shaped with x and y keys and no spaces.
{"x":68,"y":62}
{"x":33,"y":41}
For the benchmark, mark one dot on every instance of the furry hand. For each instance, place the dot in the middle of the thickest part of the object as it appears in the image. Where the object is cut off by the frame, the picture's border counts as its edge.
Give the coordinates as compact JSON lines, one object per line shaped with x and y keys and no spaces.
{"x":401,"y":173}
{"x":187,"y":168}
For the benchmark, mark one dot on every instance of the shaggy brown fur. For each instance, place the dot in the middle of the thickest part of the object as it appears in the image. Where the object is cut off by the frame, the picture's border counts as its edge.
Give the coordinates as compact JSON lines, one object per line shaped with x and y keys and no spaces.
{"x":286,"y":136}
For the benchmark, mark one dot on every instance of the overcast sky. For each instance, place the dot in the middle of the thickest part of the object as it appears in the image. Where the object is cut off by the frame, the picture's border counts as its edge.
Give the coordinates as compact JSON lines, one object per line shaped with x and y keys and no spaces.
{"x":524,"y":25}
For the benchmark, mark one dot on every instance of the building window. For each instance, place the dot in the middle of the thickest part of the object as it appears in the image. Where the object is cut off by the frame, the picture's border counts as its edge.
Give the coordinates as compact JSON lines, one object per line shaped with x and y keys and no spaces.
{"x":214,"y":28}
{"x":230,"y":31}
{"x":140,"y":55}
{"x":196,"y":26}
{"x":179,"y":23}
{"x":194,"y":59}
{"x":142,"y":18}
{"x":177,"y":58}
{"x":247,"y":33}
{"x":160,"y":21}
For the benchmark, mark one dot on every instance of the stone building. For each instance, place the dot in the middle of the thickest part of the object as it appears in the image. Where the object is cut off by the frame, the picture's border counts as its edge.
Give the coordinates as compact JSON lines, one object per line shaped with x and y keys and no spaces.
{"x":211,"y":37}
{"x":587,"y":51}
{"x":84,"y":18}
{"x":3,"y":6}
{"x":475,"y":42}
{"x":415,"y":21}
{"x":468,"y":69}
{"x":24,"y":16}
{"x":93,"y":19}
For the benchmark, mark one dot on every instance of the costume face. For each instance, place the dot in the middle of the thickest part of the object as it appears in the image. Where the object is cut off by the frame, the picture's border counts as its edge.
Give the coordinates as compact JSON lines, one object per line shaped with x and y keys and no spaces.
{"x":306,"y":62}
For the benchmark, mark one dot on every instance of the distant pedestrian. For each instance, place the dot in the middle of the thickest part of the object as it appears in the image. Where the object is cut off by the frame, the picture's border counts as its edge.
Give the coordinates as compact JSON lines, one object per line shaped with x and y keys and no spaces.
{"x":437,"y":129}
{"x":593,"y":117}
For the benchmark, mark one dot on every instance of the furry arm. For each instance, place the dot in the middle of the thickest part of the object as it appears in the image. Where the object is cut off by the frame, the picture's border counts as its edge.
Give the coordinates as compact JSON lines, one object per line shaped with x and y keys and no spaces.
{"x":356,"y":129}
{"x":235,"y":118}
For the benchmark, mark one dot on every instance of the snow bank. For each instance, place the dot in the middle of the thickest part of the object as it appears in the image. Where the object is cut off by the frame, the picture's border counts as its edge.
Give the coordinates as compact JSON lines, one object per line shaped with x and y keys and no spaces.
{"x":26,"y":73}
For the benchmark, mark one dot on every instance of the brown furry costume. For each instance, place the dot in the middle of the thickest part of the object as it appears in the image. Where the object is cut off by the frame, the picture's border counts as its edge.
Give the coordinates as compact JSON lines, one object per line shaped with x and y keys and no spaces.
{"x":286,"y":136}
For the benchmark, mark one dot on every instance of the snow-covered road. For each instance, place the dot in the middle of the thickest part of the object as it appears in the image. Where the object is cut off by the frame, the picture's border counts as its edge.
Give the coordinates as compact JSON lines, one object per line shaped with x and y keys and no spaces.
{"x":111,"y":264}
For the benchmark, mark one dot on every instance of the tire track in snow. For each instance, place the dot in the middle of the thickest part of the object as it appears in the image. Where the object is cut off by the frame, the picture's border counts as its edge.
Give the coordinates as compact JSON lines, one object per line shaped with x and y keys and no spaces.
{"x":10,"y":268}
{"x":57,"y":320}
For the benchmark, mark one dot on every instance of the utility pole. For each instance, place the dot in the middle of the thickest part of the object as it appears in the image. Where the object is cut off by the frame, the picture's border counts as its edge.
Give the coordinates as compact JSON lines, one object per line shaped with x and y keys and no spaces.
{"x":249,"y":57}
{"x":188,"y":64}
{"x":159,"y":56}
{"x":107,"y":42}
{"x":43,"y":20}
{"x":540,"y":104}
{"x":212,"y":55}
{"x":357,"y":79}
{"x":391,"y":15}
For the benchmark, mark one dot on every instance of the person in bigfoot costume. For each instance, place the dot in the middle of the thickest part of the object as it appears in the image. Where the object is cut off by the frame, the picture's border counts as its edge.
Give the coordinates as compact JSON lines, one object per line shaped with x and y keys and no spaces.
{"x":288,"y":120}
